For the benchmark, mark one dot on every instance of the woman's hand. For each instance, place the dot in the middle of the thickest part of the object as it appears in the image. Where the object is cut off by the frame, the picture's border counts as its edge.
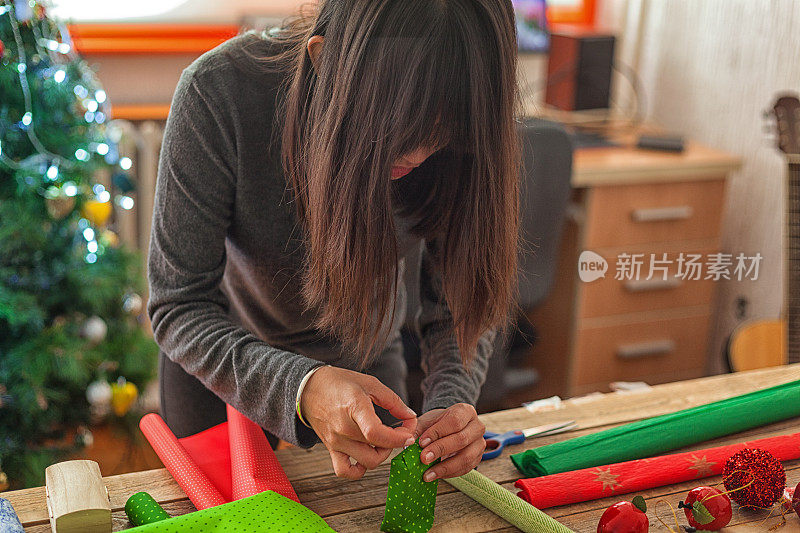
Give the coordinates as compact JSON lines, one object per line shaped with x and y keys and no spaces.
{"x":456,"y":436}
{"x":338,"y":404}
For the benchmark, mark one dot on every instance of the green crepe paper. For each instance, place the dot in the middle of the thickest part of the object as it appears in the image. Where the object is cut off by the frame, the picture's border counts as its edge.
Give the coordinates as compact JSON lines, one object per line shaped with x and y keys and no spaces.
{"x":411,"y":501}
{"x":506,"y":504}
{"x":141,"y":508}
{"x":663,"y":433}
{"x":265,"y":511}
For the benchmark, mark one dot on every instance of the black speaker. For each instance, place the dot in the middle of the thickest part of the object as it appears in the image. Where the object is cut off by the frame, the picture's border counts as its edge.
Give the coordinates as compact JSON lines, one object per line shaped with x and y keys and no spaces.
{"x":579,"y":69}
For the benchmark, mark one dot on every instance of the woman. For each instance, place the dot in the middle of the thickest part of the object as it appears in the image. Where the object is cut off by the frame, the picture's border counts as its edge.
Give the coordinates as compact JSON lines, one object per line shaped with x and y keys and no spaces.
{"x":298,"y":170}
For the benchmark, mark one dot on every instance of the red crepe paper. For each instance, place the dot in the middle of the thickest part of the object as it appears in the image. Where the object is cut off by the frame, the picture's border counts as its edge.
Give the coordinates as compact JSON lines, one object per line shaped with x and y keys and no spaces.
{"x":253,"y":463}
{"x":209,"y":449}
{"x":226,"y":462}
{"x":621,"y":478}
{"x":181,"y":465}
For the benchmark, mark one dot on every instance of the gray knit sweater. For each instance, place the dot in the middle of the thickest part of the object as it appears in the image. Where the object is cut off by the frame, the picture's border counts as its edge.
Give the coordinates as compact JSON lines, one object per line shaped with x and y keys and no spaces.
{"x":226,"y":253}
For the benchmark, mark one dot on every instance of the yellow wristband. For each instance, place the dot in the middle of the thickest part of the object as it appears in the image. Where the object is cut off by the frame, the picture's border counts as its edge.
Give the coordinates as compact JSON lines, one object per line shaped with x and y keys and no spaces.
{"x":300,"y":393}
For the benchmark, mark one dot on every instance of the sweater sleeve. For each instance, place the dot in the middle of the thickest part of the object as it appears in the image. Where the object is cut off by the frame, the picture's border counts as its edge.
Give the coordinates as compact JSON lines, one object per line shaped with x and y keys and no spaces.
{"x":194,"y":204}
{"x":447,"y":381}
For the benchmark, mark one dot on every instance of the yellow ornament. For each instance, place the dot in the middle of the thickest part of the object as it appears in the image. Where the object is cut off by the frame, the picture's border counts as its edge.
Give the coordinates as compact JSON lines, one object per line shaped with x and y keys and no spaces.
{"x":123,"y":395}
{"x":109,"y":238}
{"x":96,"y":212}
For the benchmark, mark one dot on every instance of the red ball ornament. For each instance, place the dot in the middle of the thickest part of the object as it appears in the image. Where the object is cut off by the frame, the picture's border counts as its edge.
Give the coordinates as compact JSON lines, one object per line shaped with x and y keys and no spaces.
{"x":754,"y":477}
{"x":2,"y":48}
{"x":707,"y":508}
{"x":625,"y":517}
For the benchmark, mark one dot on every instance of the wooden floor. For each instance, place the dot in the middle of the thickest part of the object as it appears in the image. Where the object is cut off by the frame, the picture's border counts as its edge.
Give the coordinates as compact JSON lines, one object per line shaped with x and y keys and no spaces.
{"x":358,"y":505}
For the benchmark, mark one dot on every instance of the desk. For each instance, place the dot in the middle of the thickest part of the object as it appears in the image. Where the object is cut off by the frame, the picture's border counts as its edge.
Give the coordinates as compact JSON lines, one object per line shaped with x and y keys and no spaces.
{"x":631,"y":201}
{"x":356,"y":506}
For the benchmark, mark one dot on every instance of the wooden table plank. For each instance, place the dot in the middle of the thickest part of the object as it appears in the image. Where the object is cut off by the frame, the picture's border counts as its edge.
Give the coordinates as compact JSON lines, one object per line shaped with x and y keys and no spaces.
{"x":358,"y":505}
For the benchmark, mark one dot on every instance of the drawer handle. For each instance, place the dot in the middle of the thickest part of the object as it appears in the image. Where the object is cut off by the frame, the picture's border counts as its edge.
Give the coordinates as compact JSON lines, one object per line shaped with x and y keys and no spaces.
{"x":655,"y":284}
{"x":662,"y":214}
{"x":646,"y":349}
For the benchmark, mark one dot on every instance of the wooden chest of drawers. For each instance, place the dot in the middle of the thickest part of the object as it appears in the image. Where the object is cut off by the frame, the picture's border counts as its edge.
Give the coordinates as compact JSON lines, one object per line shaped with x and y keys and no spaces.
{"x":654,"y":326}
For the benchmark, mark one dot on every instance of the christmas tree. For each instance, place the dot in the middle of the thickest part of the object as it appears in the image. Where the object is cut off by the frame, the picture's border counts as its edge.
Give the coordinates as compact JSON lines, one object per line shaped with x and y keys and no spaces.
{"x":69,"y":303}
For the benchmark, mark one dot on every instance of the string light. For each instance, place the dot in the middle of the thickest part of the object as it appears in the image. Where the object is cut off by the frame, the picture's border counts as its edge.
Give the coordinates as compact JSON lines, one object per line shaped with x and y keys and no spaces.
{"x":102,"y":149}
{"x":88,"y":234}
{"x":91,"y":258}
{"x":81,"y":154}
{"x":52,"y":172}
{"x":125,"y":163}
{"x":100,"y":96}
{"x":70,"y":189}
{"x":91,"y":246}
{"x":125,"y":202}
{"x":60,"y":76}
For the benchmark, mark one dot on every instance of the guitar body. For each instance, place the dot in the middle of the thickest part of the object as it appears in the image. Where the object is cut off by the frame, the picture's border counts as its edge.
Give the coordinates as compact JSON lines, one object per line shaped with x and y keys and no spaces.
{"x":758,"y":344}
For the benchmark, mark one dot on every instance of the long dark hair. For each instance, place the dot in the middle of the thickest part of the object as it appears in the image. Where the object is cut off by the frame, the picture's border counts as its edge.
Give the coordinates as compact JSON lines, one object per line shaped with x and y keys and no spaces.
{"x":394,"y":76}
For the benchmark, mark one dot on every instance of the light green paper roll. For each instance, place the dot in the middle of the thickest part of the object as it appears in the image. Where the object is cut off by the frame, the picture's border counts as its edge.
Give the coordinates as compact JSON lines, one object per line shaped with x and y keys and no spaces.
{"x":265,"y":511}
{"x":506,"y":504}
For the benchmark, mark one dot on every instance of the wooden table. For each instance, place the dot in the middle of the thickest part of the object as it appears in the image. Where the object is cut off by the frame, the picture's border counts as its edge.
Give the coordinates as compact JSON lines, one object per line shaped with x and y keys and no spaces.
{"x":358,"y":505}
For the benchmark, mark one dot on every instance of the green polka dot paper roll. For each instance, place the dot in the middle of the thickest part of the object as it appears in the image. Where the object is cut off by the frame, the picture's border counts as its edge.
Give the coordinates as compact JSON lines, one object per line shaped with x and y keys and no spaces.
{"x":266,"y":511}
{"x":141,"y":508}
{"x":411,"y":501}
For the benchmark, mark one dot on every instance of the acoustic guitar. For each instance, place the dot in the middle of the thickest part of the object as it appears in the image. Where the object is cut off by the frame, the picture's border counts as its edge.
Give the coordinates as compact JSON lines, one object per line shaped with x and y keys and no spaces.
{"x":765,"y":343}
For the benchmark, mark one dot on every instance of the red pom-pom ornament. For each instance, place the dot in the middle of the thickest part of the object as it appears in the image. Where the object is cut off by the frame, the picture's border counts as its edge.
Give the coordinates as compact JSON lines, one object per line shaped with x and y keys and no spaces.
{"x":754,"y":477}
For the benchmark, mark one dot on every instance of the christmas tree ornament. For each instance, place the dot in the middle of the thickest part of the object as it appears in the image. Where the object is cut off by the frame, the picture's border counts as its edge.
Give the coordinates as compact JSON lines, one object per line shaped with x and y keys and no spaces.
{"x":84,"y":437}
{"x":754,"y":478}
{"x":123,"y":182}
{"x":109,"y":239}
{"x":786,"y":499}
{"x":123,"y":395}
{"x":99,"y":394}
{"x":707,"y":508}
{"x":94,"y":329}
{"x":96,"y":212}
{"x":2,"y":48}
{"x":625,"y":517}
{"x":58,"y":204}
{"x":22,"y":10}
{"x":132,"y":304}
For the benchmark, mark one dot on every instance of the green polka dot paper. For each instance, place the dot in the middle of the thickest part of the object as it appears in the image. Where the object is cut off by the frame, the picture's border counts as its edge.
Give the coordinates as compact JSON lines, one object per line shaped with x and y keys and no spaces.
{"x":411,"y":501}
{"x":141,"y":508}
{"x":265,"y":511}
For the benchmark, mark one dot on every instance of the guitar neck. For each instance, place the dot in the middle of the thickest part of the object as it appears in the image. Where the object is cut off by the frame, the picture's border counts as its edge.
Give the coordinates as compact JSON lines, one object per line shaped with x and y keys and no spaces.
{"x":792,"y":275}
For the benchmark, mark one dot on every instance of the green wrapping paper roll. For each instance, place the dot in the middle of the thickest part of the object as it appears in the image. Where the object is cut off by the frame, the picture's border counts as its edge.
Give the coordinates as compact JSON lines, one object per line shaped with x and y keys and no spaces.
{"x":141,"y":509}
{"x":663,"y":433}
{"x":506,"y":504}
{"x":265,"y":511}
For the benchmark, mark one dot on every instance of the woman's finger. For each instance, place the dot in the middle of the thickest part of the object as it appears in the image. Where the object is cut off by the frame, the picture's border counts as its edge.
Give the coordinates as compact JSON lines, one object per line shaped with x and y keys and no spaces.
{"x":385,"y":397}
{"x":342,"y":466}
{"x":453,"y":420}
{"x":453,"y":443}
{"x":374,"y":431}
{"x":364,"y":454}
{"x":459,"y":464}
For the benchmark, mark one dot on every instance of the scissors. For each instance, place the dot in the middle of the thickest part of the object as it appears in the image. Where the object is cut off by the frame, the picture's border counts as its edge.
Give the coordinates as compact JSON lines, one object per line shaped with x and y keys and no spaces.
{"x":495,"y":442}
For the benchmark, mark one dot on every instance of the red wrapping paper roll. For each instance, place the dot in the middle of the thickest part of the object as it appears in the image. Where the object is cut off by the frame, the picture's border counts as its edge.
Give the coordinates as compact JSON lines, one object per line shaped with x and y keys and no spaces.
{"x":200,"y":490}
{"x":254,"y":467}
{"x":621,"y":478}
